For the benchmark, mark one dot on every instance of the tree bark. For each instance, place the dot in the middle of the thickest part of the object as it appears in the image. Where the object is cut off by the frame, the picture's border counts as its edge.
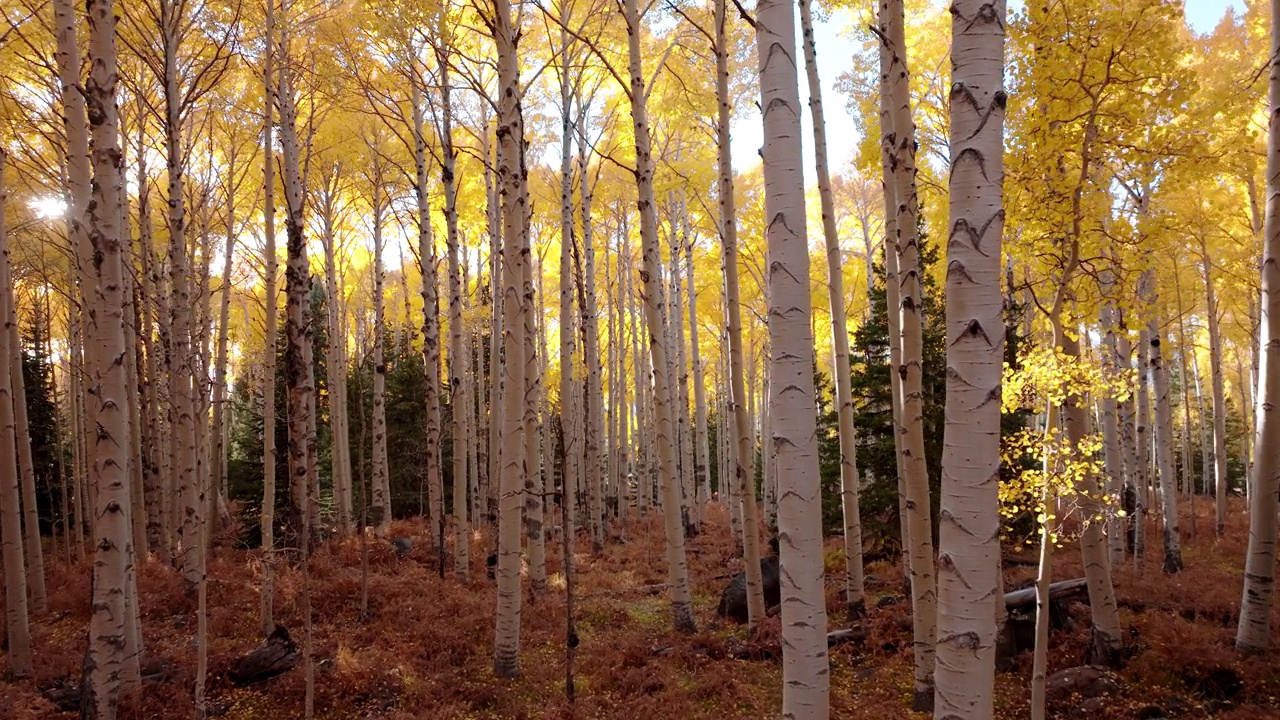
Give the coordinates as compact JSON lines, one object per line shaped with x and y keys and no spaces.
{"x":105,"y":664}
{"x":741,"y":454}
{"x":650,"y":276}
{"x":1253,"y":633}
{"x":381,"y":484}
{"x":902,"y":159}
{"x":1164,"y":438}
{"x":806,"y":680}
{"x":267,"y":519}
{"x":969,"y":528}
{"x":510,"y":135}
{"x":1219,"y":393}
{"x":849,"y":487}
{"x":15,"y":579}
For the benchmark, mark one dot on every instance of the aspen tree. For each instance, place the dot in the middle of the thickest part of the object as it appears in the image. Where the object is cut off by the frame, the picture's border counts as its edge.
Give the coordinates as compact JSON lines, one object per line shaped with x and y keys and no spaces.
{"x":591,"y":351}
{"x":336,"y":350}
{"x":510,"y":177}
{"x":15,"y":581}
{"x":459,"y":353}
{"x":854,"y":601}
{"x":741,"y":453}
{"x":299,"y":365}
{"x":1164,"y":440}
{"x":806,"y":676}
{"x":381,"y":506}
{"x":901,"y":151}
{"x":34,"y":553}
{"x":651,"y":292}
{"x":105,"y":662}
{"x":969,"y":519}
{"x":1217,"y":387}
{"x":270,"y":272}
{"x":1253,"y":633}
{"x":701,"y":461}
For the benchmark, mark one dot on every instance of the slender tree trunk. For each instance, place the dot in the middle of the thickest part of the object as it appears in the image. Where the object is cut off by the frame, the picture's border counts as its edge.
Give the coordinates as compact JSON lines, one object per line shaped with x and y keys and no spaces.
{"x":430,"y":321}
{"x":26,"y":469}
{"x":1112,"y":448}
{"x":105,"y":664}
{"x":381,"y":484}
{"x":1219,"y":394}
{"x":677,"y":563}
{"x":182,"y":362}
{"x":702,"y":460}
{"x":969,"y":527}
{"x":510,"y":134}
{"x":791,"y":405}
{"x":267,"y":520}
{"x":742,"y":480}
{"x":299,"y":364}
{"x":15,"y":580}
{"x":1253,"y":634}
{"x":839,"y":331}
{"x":591,"y":354}
{"x":530,"y":312}
{"x":458,"y":351}
{"x":1044,"y":578}
{"x":1164,"y":440}
{"x":1142,"y":480}
{"x":902,"y":158}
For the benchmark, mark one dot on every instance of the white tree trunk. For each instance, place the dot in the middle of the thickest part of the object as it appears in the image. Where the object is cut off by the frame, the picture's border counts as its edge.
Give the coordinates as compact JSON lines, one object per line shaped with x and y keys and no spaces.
{"x":677,"y":563}
{"x":1164,"y":440}
{"x":105,"y":662}
{"x":510,"y":172}
{"x":849,"y":488}
{"x":805,"y":671}
{"x":915,"y":473}
{"x":1253,"y":634}
{"x":270,"y":272}
{"x":15,"y":580}
{"x":969,"y":528}
{"x":381,"y":483}
{"x":743,"y":511}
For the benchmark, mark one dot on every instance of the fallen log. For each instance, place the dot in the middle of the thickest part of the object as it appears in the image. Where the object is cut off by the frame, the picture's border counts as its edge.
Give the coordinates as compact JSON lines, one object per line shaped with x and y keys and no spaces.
{"x":1057,"y":591}
{"x":275,"y":656}
{"x":857,"y":633}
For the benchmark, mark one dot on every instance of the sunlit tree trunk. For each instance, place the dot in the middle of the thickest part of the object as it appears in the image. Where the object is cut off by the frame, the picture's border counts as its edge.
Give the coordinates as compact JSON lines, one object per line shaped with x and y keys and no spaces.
{"x":839,"y":331}
{"x":677,"y":563}
{"x":742,"y":453}
{"x":459,"y":352}
{"x":702,"y":460}
{"x":1112,"y":447}
{"x":105,"y":664}
{"x":217,"y":477}
{"x":1217,"y":387}
{"x":430,"y":321}
{"x":915,"y":474}
{"x":676,"y":320}
{"x":805,"y":670}
{"x":15,"y":581}
{"x":335,"y":352}
{"x":1164,"y":438}
{"x":271,"y":270}
{"x":299,"y":365}
{"x":1253,"y":633}
{"x":1142,"y":478}
{"x":152,"y":428}
{"x":381,"y":484}
{"x":969,"y":527}
{"x":530,"y":312}
{"x":181,"y":356}
{"x":26,"y":469}
{"x":891,"y":286}
{"x":506,"y":662}
{"x":497,"y":363}
{"x":591,"y":353}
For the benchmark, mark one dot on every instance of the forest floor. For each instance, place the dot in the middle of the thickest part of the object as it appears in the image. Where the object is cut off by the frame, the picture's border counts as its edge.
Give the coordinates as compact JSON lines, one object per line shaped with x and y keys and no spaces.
{"x":425,"y":648}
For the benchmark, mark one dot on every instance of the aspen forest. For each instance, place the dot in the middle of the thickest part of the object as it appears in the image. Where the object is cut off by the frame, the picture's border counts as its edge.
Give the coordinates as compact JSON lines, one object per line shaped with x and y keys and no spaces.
{"x":639,"y":359}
